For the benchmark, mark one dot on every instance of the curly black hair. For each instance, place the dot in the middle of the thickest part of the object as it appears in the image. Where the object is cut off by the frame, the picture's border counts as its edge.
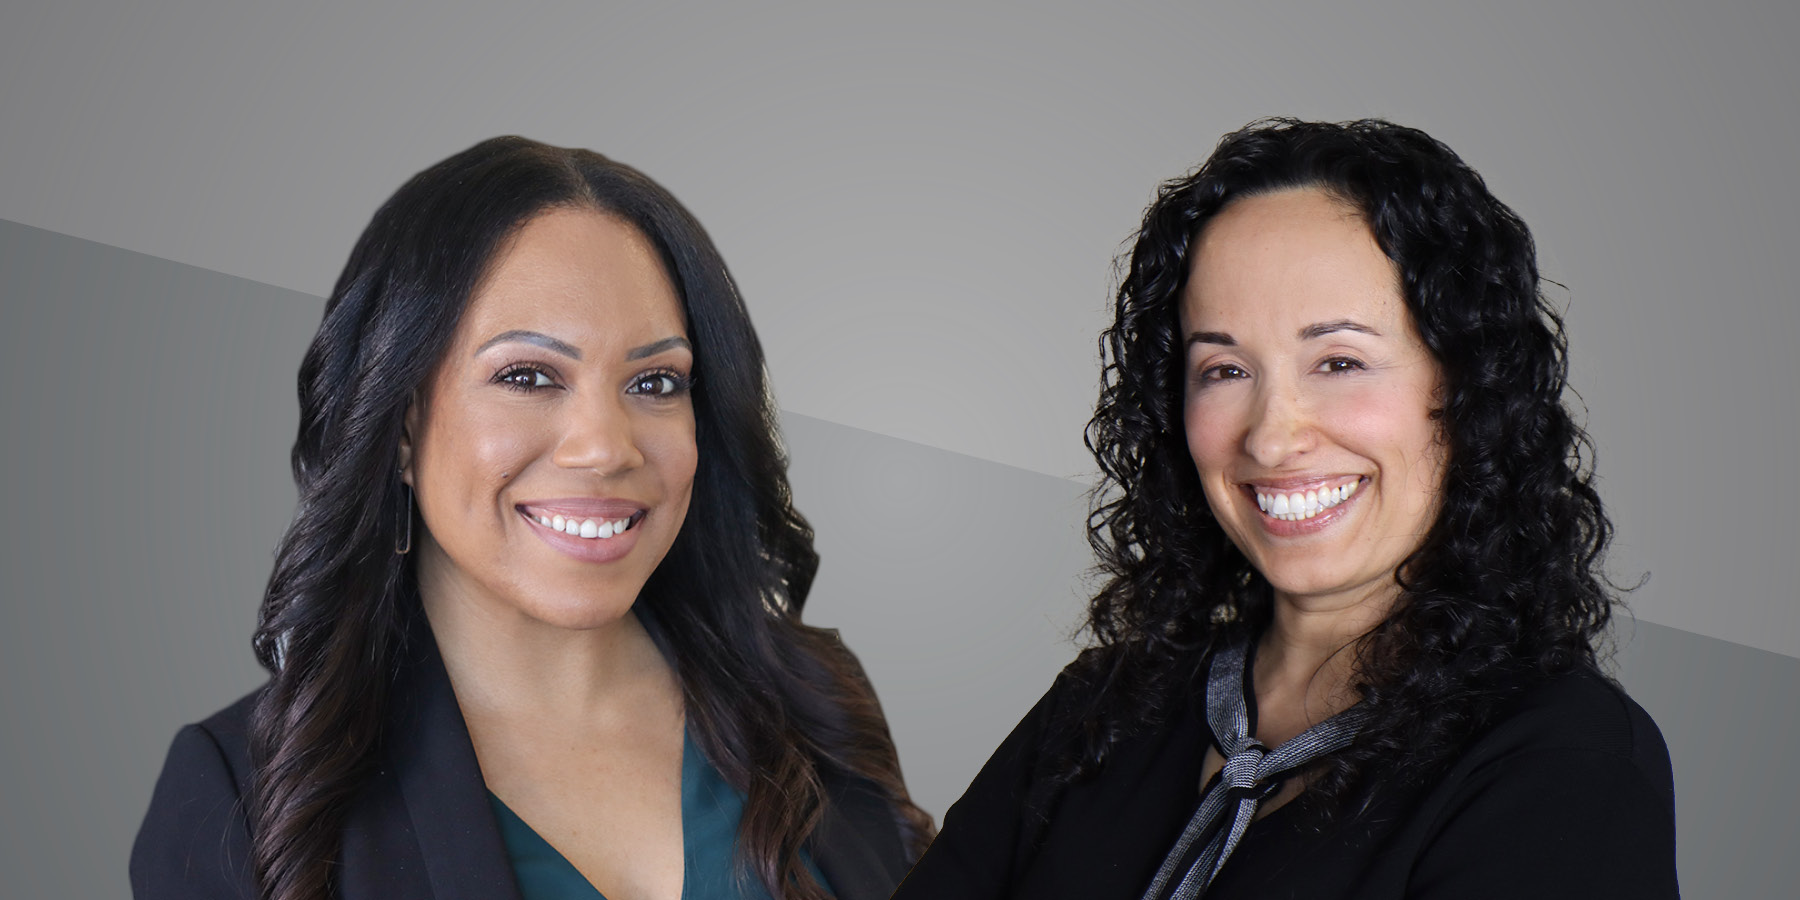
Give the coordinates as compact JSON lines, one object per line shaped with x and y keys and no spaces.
{"x":1507,"y":587}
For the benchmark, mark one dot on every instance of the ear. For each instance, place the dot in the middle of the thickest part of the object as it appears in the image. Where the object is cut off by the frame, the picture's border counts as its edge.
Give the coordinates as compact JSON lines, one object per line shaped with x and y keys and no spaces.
{"x":409,"y":426}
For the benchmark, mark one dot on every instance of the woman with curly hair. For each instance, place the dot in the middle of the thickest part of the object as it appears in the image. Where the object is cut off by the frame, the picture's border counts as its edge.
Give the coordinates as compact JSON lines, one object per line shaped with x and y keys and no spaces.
{"x":1345,"y":645}
{"x":535,"y":629}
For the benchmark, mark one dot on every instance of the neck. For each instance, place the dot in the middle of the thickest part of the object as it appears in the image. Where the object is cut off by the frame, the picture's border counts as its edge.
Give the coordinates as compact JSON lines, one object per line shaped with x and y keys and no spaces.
{"x":1306,"y":660}
{"x":506,"y":666}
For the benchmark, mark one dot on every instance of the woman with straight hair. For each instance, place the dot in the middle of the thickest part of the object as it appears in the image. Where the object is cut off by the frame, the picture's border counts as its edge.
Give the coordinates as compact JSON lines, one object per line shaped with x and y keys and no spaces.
{"x":1352,"y":561}
{"x":535,"y":631}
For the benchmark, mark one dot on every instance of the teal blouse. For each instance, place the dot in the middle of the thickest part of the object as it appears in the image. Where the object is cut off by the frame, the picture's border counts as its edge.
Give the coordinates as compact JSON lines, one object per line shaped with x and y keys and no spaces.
{"x":710,"y":810}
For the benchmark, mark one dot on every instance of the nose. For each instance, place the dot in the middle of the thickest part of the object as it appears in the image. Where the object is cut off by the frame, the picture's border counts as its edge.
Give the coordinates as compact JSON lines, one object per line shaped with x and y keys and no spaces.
{"x":1280,"y":426}
{"x":599,"y":436}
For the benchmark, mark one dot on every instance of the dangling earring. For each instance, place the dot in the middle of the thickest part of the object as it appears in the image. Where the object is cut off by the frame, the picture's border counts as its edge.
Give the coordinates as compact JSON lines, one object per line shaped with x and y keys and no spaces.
{"x":403,"y":544}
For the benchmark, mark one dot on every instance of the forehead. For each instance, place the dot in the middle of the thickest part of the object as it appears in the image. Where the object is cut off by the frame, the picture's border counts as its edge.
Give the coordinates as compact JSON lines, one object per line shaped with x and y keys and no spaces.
{"x":1288,"y":259}
{"x":585,"y":276}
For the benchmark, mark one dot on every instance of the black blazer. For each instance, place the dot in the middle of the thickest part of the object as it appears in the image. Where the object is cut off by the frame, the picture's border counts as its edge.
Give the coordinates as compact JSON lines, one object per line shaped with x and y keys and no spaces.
{"x":1568,"y":794}
{"x":421,"y":826}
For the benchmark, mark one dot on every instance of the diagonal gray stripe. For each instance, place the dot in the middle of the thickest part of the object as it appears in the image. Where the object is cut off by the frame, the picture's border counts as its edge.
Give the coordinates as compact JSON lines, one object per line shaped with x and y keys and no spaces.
{"x":148,"y":408}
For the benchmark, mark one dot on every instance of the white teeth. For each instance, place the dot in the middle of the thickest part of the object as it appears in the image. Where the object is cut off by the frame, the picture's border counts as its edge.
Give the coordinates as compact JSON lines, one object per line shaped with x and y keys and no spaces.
{"x":598,"y":529}
{"x":1299,"y":506}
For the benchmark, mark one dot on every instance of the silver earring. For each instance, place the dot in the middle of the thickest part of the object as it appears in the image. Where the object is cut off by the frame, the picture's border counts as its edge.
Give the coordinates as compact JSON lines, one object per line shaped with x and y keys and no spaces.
{"x":403,"y":544}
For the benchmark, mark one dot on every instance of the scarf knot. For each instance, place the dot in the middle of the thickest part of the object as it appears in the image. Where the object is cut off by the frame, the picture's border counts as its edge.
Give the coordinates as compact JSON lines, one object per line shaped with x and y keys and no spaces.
{"x":1243,"y":769}
{"x":1251,"y":773}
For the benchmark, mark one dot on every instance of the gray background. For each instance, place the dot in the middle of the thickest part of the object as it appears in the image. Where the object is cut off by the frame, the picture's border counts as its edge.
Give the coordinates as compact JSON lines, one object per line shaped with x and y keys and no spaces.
{"x":920,"y":203}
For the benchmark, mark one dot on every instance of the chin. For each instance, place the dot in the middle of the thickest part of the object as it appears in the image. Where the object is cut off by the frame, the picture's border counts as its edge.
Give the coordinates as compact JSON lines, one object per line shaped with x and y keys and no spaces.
{"x":582,"y":613}
{"x":586,"y":622}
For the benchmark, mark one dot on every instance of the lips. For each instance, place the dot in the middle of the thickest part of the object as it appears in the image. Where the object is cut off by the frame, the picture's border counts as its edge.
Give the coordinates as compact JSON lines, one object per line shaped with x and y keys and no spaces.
{"x":601,"y":527}
{"x":593,"y":530}
{"x":1297,"y":504}
{"x":1293,"y":507}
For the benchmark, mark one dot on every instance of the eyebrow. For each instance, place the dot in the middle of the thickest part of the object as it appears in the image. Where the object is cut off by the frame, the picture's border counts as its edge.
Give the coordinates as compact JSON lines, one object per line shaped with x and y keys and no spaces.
{"x":1211,"y":337}
{"x":569,"y":350}
{"x":1325,"y":328}
{"x":668,"y":343}
{"x":531,"y":337}
{"x":1316,"y":330}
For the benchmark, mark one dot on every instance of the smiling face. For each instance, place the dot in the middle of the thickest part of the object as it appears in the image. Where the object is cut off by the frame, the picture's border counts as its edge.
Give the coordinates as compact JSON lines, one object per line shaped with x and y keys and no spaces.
{"x":552,"y":450}
{"x":1309,"y":398}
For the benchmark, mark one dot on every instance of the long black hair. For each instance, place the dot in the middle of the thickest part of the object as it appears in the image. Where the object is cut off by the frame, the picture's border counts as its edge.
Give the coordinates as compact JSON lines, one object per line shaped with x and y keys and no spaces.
{"x":778,"y":707}
{"x":1506,"y":587}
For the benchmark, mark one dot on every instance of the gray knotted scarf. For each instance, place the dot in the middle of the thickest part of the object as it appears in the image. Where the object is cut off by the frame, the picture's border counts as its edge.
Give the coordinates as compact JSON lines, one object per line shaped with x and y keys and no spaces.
{"x":1251,"y":773}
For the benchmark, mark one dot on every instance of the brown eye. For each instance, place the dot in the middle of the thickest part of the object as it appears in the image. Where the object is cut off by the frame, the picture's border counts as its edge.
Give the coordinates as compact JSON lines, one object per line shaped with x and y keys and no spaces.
{"x":524,"y":378}
{"x":1339,"y":364}
{"x":660,"y":384}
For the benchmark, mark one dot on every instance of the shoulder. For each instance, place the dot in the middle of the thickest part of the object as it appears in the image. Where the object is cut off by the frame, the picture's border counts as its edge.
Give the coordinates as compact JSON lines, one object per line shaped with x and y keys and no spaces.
{"x":859,"y":843}
{"x":1091,"y":722}
{"x":212,"y":755}
{"x":1580,"y":714}
{"x":974,"y":854}
{"x":229,"y":729}
{"x":194,"y":841}
{"x":1569,"y":794}
{"x":1047,"y":732}
{"x":1027,"y":812}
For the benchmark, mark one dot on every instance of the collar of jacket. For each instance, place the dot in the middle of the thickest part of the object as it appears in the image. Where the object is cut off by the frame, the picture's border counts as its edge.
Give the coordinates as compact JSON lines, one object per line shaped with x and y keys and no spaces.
{"x":422,"y":826}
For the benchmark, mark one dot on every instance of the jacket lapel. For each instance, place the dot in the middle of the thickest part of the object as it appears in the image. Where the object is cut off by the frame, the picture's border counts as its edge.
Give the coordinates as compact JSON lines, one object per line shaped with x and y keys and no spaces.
{"x":424,"y":829}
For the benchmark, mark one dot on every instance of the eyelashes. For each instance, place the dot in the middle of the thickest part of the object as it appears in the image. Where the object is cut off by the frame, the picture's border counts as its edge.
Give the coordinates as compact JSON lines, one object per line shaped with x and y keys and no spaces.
{"x":1223,"y":372}
{"x":658,"y":383}
{"x":662,"y":383}
{"x":524,"y":378}
{"x":1337,"y":365}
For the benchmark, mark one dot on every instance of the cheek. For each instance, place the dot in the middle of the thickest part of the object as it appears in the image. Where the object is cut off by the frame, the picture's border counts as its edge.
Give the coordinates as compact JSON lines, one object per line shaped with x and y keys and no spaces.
{"x":497,"y":458}
{"x":1212,"y":434}
{"x":1213,"y":440}
{"x":470,"y":453}
{"x":1397,"y":431}
{"x":671,"y":448}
